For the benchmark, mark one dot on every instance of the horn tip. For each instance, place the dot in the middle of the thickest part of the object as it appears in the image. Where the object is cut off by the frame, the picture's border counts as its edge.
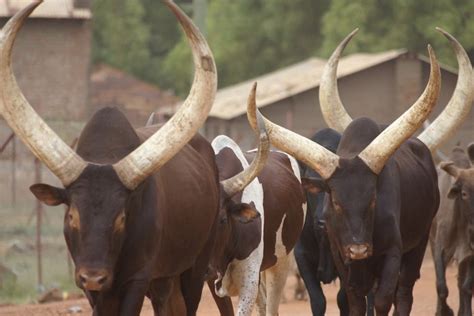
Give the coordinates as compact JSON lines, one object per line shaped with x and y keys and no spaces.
{"x":351,"y":35}
{"x":430,"y":50}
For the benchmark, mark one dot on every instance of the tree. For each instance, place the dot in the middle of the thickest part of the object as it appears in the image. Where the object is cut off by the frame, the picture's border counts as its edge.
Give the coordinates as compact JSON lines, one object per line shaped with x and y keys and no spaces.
{"x":399,"y":24}
{"x":120,"y":37}
{"x":252,"y":37}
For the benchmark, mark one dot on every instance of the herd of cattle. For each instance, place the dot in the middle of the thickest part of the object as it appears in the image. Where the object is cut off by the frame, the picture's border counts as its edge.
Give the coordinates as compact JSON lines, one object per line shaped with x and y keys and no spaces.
{"x":158,"y":211}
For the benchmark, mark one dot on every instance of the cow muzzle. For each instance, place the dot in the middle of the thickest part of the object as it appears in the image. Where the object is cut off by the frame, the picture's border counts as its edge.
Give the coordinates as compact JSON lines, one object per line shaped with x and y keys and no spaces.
{"x":358,"y":251}
{"x":93,"y":279}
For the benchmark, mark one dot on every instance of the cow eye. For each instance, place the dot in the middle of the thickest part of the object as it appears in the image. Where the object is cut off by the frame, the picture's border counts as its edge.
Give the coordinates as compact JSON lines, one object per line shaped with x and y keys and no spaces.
{"x":464,"y":195}
{"x":73,"y":218}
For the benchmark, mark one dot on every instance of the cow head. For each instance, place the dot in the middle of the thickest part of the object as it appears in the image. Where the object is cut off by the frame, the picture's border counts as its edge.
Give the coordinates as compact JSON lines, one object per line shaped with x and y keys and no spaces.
{"x":462,"y":191}
{"x":99,"y":205}
{"x":111,"y":167}
{"x":94,"y":223}
{"x":315,"y":197}
{"x":238,"y":234}
{"x":350,"y":177}
{"x":349,"y":210}
{"x":239,"y":225}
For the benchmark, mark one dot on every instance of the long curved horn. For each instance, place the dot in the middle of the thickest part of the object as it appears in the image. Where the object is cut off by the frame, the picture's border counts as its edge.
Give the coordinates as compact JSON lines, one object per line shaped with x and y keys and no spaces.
{"x":27,"y":124}
{"x":314,"y":155}
{"x":334,"y":113}
{"x":383,"y":146}
{"x":238,"y":182}
{"x":460,"y":104}
{"x":170,"y":138}
{"x":441,"y":155}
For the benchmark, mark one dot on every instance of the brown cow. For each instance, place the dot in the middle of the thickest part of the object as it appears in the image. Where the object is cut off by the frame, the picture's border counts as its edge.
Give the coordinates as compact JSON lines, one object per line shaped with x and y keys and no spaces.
{"x":452,"y":233}
{"x":142,"y":203}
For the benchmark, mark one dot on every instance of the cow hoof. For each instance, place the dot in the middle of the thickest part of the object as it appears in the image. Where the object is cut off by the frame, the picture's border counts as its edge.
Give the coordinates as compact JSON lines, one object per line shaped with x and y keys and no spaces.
{"x":445,"y":311}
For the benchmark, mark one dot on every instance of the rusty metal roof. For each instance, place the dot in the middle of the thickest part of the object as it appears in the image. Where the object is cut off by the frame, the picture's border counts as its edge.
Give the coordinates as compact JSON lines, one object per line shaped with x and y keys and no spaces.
{"x":52,"y":9}
{"x":231,"y":102}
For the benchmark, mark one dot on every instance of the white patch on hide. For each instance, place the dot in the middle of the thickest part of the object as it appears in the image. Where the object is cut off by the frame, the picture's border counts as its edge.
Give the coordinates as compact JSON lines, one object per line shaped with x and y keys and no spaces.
{"x":242,"y":276}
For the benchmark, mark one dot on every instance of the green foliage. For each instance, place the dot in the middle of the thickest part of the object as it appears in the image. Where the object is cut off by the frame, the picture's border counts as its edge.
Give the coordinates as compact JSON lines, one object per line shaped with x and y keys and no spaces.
{"x":252,"y":37}
{"x":120,"y":36}
{"x":399,"y":23}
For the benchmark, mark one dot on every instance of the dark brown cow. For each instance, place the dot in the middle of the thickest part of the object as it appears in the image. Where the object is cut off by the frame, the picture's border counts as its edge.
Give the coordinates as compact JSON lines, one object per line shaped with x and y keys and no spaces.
{"x":258,"y":227}
{"x":452,"y":233}
{"x":142,"y":204}
{"x":381,"y":187}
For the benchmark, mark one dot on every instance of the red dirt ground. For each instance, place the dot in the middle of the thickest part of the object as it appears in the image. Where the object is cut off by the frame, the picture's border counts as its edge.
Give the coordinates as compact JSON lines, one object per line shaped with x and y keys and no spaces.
{"x":424,"y":302}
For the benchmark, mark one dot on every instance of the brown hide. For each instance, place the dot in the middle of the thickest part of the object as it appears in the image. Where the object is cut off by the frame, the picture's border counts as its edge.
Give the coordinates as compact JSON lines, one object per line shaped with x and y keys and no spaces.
{"x":283,"y":198}
{"x":182,"y":183}
{"x":450,"y":231}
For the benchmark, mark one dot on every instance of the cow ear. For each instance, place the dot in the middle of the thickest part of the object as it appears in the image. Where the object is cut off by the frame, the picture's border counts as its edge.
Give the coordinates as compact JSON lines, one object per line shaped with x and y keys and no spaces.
{"x":49,"y":195}
{"x":244,"y":213}
{"x":454,"y":191}
{"x":470,"y":152}
{"x":450,"y":168}
{"x":314,"y":185}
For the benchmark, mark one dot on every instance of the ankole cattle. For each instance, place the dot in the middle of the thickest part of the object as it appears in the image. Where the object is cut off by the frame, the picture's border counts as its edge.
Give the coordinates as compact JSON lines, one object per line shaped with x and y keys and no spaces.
{"x":452,"y":232}
{"x":312,"y":251}
{"x":381,"y":186}
{"x":141,"y":204}
{"x":259,"y":224}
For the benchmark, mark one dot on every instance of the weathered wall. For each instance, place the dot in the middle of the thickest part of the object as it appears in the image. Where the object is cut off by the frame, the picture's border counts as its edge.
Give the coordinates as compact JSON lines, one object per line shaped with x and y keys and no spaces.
{"x":51,"y":63}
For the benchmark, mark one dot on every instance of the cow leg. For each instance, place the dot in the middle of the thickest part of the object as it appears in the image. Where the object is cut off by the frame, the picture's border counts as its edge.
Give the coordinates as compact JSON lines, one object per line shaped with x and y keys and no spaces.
{"x":387,"y":284}
{"x":357,"y":304}
{"x":192,"y":282}
{"x":275,"y":282}
{"x":308,"y":270}
{"x":224,"y":304}
{"x":370,"y":303}
{"x":262,"y":295}
{"x":440,"y":262}
{"x":166,"y":297}
{"x":409,"y":273}
{"x":465,"y":282}
{"x":342,"y":302}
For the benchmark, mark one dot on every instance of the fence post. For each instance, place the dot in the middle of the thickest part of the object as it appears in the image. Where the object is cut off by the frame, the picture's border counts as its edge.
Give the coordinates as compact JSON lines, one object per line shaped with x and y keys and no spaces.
{"x":39,"y":215}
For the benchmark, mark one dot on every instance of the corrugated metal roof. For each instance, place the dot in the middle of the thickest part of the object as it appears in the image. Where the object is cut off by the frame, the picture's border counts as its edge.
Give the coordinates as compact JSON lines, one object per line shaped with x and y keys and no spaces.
{"x":53,"y":9}
{"x":232,"y":101}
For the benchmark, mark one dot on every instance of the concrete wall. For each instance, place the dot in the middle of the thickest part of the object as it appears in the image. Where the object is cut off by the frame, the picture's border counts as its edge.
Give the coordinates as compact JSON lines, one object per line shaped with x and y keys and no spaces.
{"x":51,"y":63}
{"x":51,"y":60}
{"x":382,"y":93}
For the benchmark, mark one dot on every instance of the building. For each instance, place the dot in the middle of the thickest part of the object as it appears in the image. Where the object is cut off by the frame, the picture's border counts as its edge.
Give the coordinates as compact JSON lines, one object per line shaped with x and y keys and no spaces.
{"x":381,"y":86}
{"x":137,"y":99}
{"x":52,"y":57}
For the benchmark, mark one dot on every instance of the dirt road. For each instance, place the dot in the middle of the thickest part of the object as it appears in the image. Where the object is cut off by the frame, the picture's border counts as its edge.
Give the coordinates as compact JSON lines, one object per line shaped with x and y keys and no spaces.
{"x":424,"y":302}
